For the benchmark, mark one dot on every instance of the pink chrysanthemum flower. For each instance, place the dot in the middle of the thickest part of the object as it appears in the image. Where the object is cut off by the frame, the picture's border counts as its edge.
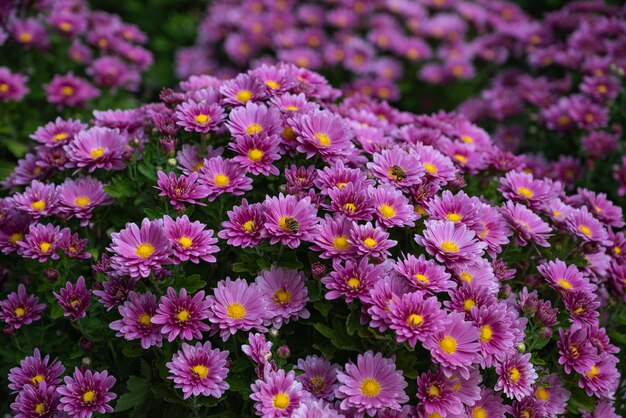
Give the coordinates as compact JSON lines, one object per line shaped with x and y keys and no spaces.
{"x":191,"y":157}
{"x":285,"y":295}
{"x":34,"y":370}
{"x":392,"y":208}
{"x":382,"y":293}
{"x":339,"y":175}
{"x":321,"y":132}
{"x":353,"y":280}
{"x":422,"y":274}
{"x":136,"y":322}
{"x":333,"y":238}
{"x":42,"y":241}
{"x":59,"y":132}
{"x":516,"y":375}
{"x":459,"y":208}
{"x":437,"y":167}
{"x":289,"y":220}
{"x":319,"y":377}
{"x":396,"y":167}
{"x":199,"y":370}
{"x":527,"y":225}
{"x":415,"y":316}
{"x":98,"y":147}
{"x":450,"y":243}
{"x":87,"y":392}
{"x":468,"y":296}
{"x":455,"y":347}
{"x":181,"y":189}
{"x":181,"y":315}
{"x":582,"y":308}
{"x":496,"y":339}
{"x":254,"y":120}
{"x":224,"y":176}
{"x":565,"y":278}
{"x":370,"y":241}
{"x":491,"y":229}
{"x":74,"y":299}
{"x":237,"y":306}
{"x":189,"y":240}
{"x":582,"y":224}
{"x":12,"y":85}
{"x":551,"y":395}
{"x":351,"y":201}
{"x":602,"y":378}
{"x":245,"y":224}
{"x":39,"y":199}
{"x":277,"y":394}
{"x":114,"y":290}
{"x":241,"y":89}
{"x":522,"y":187}
{"x":199,"y":117}
{"x":436,"y":394}
{"x":371,"y":385}
{"x":489,"y":405}
{"x":70,"y":90}
{"x":315,"y":408}
{"x":257,"y":153}
{"x":140,"y":251}
{"x":36,"y":402}
{"x":575,"y":350}
{"x":81,"y":196}
{"x":258,"y":349}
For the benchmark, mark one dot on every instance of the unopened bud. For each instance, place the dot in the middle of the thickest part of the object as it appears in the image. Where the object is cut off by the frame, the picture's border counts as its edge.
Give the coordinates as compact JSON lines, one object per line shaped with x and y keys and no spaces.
{"x":51,"y":274}
{"x":318,"y":269}
{"x":172,"y":162}
{"x":283,"y":352}
{"x":86,"y":344}
{"x":273,"y":332}
{"x":521,"y":347}
{"x":545,"y":333}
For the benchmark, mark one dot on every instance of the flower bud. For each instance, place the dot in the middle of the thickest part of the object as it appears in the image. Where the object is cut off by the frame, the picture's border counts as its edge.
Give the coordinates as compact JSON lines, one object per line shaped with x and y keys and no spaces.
{"x":168,"y":145}
{"x":26,"y":279}
{"x":51,"y":274}
{"x":283,"y":352}
{"x":545,"y":333}
{"x":86,"y":344}
{"x":86,"y":361}
{"x":521,"y":347}
{"x":318,"y":269}
{"x":172,"y":162}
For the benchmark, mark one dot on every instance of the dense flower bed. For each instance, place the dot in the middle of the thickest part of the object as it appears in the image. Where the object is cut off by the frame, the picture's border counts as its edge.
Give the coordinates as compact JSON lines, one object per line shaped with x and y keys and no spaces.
{"x":261,"y":244}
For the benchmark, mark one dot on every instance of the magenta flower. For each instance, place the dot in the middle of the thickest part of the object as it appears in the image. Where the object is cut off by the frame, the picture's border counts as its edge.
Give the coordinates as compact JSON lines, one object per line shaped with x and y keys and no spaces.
{"x":81,"y":196}
{"x":137,"y":252}
{"x":98,"y":148}
{"x":285,"y":295}
{"x":114,"y":290}
{"x":450,"y":243}
{"x":582,"y":224}
{"x":277,"y":394}
{"x":370,"y":241}
{"x":551,"y":395}
{"x":254,"y":120}
{"x":565,"y":278}
{"x":70,"y":90}
{"x":59,"y":132}
{"x":321,"y":132}
{"x":371,"y":385}
{"x":111,"y":71}
{"x":436,"y":394}
{"x":339,"y":175}
{"x":351,"y":201}
{"x":199,"y":370}
{"x":488,"y":405}
{"x":257,"y":153}
{"x":86,"y":393}
{"x":35,"y":370}
{"x":36,"y":402}
{"x":527,"y":225}
{"x":396,"y":167}
{"x":199,"y":117}
{"x":241,"y":89}
{"x":181,"y":189}
{"x":459,"y":208}
{"x":415,"y":316}
{"x":12,"y":85}
{"x":437,"y":167}
{"x":495,"y":335}
{"x":333,"y":238}
{"x":224,"y":176}
{"x":289,"y":220}
{"x":74,"y":299}
{"x":310,"y":408}
{"x":382,"y":293}
{"x":522,"y":187}
{"x":236,"y":306}
{"x":601,"y":378}
{"x":319,"y":376}
{"x":422,"y":274}
{"x":353,"y":280}
{"x":392,"y":209}
{"x":182,"y":315}
{"x":189,"y":240}
{"x":39,"y":199}
{"x":136,"y":322}
{"x":516,"y":375}
{"x":244,"y":227}
{"x":42,"y":241}
{"x":258,"y":349}
{"x":575,"y":350}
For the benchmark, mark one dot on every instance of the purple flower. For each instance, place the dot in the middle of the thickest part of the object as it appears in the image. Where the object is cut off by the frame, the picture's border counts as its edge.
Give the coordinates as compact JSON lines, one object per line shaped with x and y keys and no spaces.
{"x":353,"y":280}
{"x":315,"y":408}
{"x":575,"y":350}
{"x":189,"y":240}
{"x":41,"y":401}
{"x":199,"y":117}
{"x":136,"y":322}
{"x":86,"y":393}
{"x":397,"y":168}
{"x":489,"y":405}
{"x":565,"y":278}
{"x":522,"y":187}
{"x":319,"y":376}
{"x":115,"y":290}
{"x":450,"y":243}
{"x":351,"y":201}
{"x":70,"y":90}
{"x":98,"y":147}
{"x":12,"y":85}
{"x":422,"y":274}
{"x":245,"y":224}
{"x":437,"y":167}
{"x":257,"y":153}
{"x":582,"y":307}
{"x":381,"y":295}
{"x":241,"y":89}
{"x":436,"y":394}
{"x":285,"y":295}
{"x":277,"y":394}
{"x":236,"y":305}
{"x":254,"y":120}
{"x":371,"y":385}
{"x":289,"y":220}
{"x":415,"y":316}
{"x":459,"y":208}
{"x":392,"y":209}
{"x":496,"y":338}
{"x":602,"y":378}
{"x":321,"y":132}
{"x":199,"y":370}
{"x":258,"y":349}
{"x":140,"y":251}
{"x":551,"y":395}
{"x":224,"y":176}
{"x":516,"y":375}
{"x":81,"y":196}
{"x":35,"y":370}
{"x":38,"y":199}
{"x":182,"y":315}
{"x":181,"y":189}
{"x":339,"y":175}
{"x":332,"y":239}
{"x":110,"y":71}
{"x":527,"y":225}
{"x":370,"y":241}
{"x":42,"y":241}
{"x":74,"y":299}
{"x":582,"y":224}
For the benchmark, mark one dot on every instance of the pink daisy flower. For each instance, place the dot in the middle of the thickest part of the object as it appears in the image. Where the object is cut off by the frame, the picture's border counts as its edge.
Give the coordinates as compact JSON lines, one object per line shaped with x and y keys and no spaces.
{"x":370,"y":241}
{"x":87,"y":392}
{"x":436,"y":394}
{"x":199,"y":117}
{"x":182,"y":314}
{"x":353,"y":280}
{"x":414,"y":316}
{"x":59,"y":132}
{"x":516,"y":375}
{"x":333,"y":238}
{"x":289,"y":220}
{"x":253,"y":120}
{"x":98,"y":147}
{"x":565,"y":278}
{"x":582,"y":224}
{"x":319,"y":376}
{"x":277,"y":394}
{"x":422,"y":274}
{"x":382,"y":293}
{"x":81,"y":196}
{"x":181,"y":189}
{"x":189,"y":240}
{"x":397,"y":168}
{"x":391,"y":208}
{"x":35,"y":370}
{"x":39,"y":199}
{"x":42,"y":241}
{"x":136,"y":322}
{"x":450,"y":243}
{"x":285,"y":295}
{"x":321,"y":132}
{"x":245,"y":224}
{"x":257,"y":153}
{"x":74,"y":299}
{"x":224,"y":176}
{"x":527,"y":225}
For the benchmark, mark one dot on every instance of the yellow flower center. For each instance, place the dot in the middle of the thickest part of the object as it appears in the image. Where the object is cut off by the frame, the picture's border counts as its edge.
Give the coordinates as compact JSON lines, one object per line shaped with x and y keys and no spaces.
{"x":468,"y":304}
{"x":324,"y":139}
{"x":255,"y":154}
{"x":4,"y":87}
{"x":65,"y":26}
{"x":617,"y":250}
{"x":387,"y":211}
{"x":197,"y":166}
{"x":25,"y":37}
{"x":341,"y":243}
{"x":370,"y":387}
{"x":433,"y":390}
{"x":350,"y":207}
{"x":183,"y":316}
{"x":525,"y":191}
{"x":16,"y":237}
{"x":454,"y":217}
{"x":449,"y":247}
{"x":19,"y":312}
{"x":236,"y":310}
{"x":282,"y":296}
{"x":144,"y":250}
{"x":37,"y":379}
{"x":244,"y":95}
{"x":430,"y":168}
{"x":200,"y":371}
{"x":280,"y":400}
{"x":67,"y":91}
{"x":74,"y":302}
{"x":202,"y":119}
{"x":89,"y":396}
{"x":249,"y":226}
{"x":585,"y":230}
{"x":369,"y":242}
{"x":514,"y":374}
{"x":272,"y":84}
{"x":186,"y":242}
{"x":460,"y":158}
{"x":415,"y":319}
{"x":82,"y":201}
{"x":486,"y":333}
{"x":38,"y":205}
{"x":467,"y":139}
{"x":45,"y":246}
{"x":421,"y":278}
{"x":542,"y":394}
{"x":40,"y":408}
{"x":465,"y":276}
{"x":289,"y":134}
{"x":221,"y":180}
{"x":97,"y":152}
{"x":254,"y":129}
{"x":578,"y":310}
{"x":145,"y":318}
{"x":317,"y":384}
{"x":479,"y":412}
{"x":448,"y":344}
{"x":564,"y":284}
{"x":593,"y":372}
{"x":354,"y":283}
{"x":59,"y":137}
{"x":291,"y":107}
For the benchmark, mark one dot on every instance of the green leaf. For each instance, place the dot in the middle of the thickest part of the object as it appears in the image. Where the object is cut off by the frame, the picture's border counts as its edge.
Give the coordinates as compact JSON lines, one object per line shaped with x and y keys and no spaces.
{"x":192,"y":283}
{"x":120,"y":188}
{"x":148,"y":172}
{"x":263,"y":263}
{"x":323,"y":307}
{"x":56,"y":311}
{"x":154,"y":213}
{"x":138,"y":391}
{"x":132,"y":350}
